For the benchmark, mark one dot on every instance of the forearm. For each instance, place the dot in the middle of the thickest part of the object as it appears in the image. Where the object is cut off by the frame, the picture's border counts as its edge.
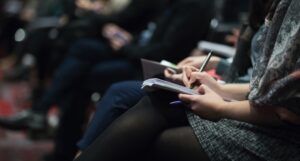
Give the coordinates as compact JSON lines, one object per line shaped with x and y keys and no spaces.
{"x":234,"y":91}
{"x":243,"y":111}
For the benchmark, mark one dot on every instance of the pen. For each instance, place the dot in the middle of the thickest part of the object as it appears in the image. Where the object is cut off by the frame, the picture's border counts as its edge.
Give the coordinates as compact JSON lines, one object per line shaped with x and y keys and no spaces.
{"x":203,"y":65}
{"x":205,"y":61}
{"x":176,"y":103}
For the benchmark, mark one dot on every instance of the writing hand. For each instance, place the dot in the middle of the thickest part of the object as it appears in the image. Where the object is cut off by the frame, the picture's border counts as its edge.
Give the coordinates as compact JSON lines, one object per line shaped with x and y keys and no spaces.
{"x":207,"y":105}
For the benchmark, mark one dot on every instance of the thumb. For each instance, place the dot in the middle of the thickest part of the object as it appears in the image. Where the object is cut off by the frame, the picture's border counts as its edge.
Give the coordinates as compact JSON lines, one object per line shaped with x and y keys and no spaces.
{"x":187,"y":97}
{"x":203,"y":89}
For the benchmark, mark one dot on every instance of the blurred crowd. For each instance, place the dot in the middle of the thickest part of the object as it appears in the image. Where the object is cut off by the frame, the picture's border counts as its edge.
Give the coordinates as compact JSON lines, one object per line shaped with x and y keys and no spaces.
{"x":74,"y":53}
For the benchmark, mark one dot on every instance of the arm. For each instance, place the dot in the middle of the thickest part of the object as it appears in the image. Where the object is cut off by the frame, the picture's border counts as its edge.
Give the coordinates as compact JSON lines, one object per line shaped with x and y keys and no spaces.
{"x":235,"y":91}
{"x":141,"y":11}
{"x":191,"y":76}
{"x":175,"y":34}
{"x":137,"y":14}
{"x":243,"y":111}
{"x":211,"y":106}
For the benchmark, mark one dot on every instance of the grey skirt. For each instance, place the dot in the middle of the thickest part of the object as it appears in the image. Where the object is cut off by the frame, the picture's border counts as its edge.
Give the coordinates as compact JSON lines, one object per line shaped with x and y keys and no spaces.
{"x":229,"y":140}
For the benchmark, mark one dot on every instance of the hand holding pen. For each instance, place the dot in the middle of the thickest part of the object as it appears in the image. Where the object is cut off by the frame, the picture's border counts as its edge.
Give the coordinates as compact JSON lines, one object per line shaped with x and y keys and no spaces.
{"x":188,"y":80}
{"x":188,"y":71}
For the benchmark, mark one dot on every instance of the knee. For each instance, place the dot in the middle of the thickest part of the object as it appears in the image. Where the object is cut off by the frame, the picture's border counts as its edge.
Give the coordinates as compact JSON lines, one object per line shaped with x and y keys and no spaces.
{"x":86,"y":48}
{"x":167,"y":139}
{"x":121,"y":87}
{"x":173,"y":140}
{"x":78,"y":46}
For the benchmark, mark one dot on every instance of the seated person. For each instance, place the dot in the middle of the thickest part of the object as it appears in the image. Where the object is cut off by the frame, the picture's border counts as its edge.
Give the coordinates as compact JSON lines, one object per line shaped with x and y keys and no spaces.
{"x":92,"y":64}
{"x":122,"y":96}
{"x":262,"y":124}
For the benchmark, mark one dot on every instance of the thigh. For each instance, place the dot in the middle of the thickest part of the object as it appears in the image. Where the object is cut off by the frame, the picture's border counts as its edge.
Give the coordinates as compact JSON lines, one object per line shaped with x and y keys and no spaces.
{"x":178,"y":144}
{"x":104,"y":74}
{"x":118,"y":99}
{"x":90,"y":49}
{"x":122,"y":95}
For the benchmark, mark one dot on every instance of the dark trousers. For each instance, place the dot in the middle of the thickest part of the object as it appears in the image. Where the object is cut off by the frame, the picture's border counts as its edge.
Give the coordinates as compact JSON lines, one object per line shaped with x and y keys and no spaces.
{"x":88,"y":68}
{"x":118,"y":99}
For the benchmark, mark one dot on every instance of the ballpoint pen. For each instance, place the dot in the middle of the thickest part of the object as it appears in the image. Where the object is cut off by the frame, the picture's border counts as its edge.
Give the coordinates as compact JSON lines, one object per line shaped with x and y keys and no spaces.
{"x":178,"y":102}
{"x":203,"y":65}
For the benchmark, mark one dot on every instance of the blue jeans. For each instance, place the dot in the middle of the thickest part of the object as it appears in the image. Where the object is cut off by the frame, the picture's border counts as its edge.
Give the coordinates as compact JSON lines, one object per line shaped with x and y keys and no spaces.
{"x":89,"y":67}
{"x":118,"y":99}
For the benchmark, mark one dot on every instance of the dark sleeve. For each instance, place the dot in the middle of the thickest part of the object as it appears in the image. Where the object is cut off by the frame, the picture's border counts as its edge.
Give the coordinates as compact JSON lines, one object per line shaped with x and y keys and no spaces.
{"x":69,"y":7}
{"x":186,"y":26}
{"x":241,"y":61}
{"x":134,"y":17}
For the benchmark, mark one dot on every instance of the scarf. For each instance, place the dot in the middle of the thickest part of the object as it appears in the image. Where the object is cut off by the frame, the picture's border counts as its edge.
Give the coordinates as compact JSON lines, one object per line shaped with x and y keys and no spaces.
{"x":276,"y":77}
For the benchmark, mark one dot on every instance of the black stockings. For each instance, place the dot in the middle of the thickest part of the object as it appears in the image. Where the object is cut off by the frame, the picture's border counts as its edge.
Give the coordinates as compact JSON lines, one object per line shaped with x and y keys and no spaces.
{"x":147,"y":132}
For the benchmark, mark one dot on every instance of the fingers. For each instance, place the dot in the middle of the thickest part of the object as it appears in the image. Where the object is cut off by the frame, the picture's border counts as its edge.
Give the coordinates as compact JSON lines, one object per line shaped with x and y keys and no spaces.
{"x":200,"y":78}
{"x":187,"y":98}
{"x":186,"y":75}
{"x":184,"y":62}
{"x":116,"y":44}
{"x":204,"y":89}
{"x":197,"y":76}
{"x":168,"y":73}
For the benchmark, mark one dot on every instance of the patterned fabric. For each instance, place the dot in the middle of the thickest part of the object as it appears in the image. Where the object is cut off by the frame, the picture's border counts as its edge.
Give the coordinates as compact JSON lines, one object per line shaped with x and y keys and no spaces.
{"x":275,"y":49}
{"x":229,"y":140}
{"x":276,"y":78}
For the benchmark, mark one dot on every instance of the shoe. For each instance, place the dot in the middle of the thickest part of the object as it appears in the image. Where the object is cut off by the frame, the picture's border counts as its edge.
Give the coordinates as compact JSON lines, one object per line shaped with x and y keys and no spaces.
{"x":18,"y":73}
{"x":25,"y":120}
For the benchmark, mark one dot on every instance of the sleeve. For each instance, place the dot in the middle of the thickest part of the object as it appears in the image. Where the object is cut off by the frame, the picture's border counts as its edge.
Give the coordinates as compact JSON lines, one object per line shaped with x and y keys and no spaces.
{"x":134,"y":17}
{"x":182,"y":30}
{"x":282,"y":93}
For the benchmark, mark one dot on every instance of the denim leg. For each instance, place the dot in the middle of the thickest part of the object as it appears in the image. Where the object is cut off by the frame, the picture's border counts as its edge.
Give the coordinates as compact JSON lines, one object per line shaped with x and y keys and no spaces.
{"x":71,"y":121}
{"x":104,"y":74}
{"x":73,"y":71}
{"x":91,"y":50}
{"x":118,"y":99}
{"x":74,"y":108}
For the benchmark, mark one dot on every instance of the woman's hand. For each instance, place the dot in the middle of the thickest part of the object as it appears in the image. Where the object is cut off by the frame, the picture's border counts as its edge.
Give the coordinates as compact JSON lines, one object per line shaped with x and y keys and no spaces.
{"x":191,"y":75}
{"x":175,"y":77}
{"x":207,"y":105}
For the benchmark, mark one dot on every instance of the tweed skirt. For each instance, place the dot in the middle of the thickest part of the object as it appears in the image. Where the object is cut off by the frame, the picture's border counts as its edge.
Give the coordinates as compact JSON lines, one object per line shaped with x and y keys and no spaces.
{"x":229,"y":140}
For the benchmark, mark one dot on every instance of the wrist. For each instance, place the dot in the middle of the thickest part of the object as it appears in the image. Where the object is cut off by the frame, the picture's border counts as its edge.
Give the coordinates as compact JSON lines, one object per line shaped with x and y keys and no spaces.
{"x":223,"y":110}
{"x":220,"y":89}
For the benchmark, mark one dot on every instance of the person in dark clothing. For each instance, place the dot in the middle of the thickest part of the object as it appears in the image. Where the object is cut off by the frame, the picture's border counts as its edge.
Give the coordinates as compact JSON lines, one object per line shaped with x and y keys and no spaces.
{"x":116,"y":100}
{"x":120,"y":97}
{"x":256,"y":126}
{"x":91,"y":62}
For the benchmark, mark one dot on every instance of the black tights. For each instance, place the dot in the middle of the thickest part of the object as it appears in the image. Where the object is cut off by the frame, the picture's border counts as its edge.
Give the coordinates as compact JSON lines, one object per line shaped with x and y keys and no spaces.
{"x":147,"y":132}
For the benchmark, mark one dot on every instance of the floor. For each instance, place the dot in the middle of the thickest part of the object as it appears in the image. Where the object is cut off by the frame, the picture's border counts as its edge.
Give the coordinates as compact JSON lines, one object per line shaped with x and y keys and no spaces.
{"x":16,"y":146}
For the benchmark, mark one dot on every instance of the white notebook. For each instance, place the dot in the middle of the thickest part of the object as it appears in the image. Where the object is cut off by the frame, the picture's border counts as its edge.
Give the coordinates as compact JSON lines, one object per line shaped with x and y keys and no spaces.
{"x":155,"y":83}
